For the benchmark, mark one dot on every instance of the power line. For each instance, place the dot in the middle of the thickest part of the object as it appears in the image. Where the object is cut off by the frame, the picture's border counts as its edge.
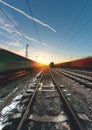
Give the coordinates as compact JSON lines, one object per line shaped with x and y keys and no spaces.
{"x":74,"y":23}
{"x":11,"y":21}
{"x":28,"y":42}
{"x":8,"y":18}
{"x":78,"y":32}
{"x":78,"y":16}
{"x":30,"y":10}
{"x":77,"y":47}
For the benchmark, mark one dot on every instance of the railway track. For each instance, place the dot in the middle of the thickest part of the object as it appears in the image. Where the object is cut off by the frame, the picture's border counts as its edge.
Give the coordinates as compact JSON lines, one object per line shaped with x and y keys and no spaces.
{"x":80,"y":78}
{"x":10,"y":76}
{"x":9,"y":88}
{"x":45,"y":106}
{"x":13,"y":75}
{"x":87,"y":73}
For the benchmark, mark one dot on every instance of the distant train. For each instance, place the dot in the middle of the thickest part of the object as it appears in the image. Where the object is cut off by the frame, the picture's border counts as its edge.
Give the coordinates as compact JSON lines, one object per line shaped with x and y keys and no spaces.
{"x":51,"y":64}
{"x":84,"y":63}
{"x":12,"y":62}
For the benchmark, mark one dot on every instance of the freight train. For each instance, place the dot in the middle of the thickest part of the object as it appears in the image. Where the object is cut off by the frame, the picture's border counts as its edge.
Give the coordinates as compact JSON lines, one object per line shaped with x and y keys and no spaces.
{"x":83,"y":63}
{"x":10,"y":62}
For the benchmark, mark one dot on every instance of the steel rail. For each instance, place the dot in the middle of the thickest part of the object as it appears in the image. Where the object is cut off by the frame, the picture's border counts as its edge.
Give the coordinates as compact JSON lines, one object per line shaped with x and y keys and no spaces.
{"x":74,"y":78}
{"x":11,"y":76}
{"x":87,"y":73}
{"x":30,"y":103}
{"x":71,"y":113}
{"x":6,"y":77}
{"x":82,"y":76}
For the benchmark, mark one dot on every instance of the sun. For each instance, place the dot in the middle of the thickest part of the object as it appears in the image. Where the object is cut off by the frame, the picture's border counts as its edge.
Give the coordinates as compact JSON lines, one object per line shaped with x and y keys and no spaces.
{"x":43,"y":60}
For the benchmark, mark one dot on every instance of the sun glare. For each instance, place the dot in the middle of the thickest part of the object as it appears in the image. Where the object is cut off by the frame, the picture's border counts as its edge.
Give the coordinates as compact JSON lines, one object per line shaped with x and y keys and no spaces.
{"x":43,"y":61}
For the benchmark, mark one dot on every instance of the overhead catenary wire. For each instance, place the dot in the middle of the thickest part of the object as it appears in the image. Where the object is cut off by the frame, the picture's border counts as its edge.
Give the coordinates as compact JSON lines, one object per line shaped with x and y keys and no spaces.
{"x":82,"y":27}
{"x":76,"y":47}
{"x":74,"y":23}
{"x":76,"y":19}
{"x":80,"y":50}
{"x":28,"y":2}
{"x":11,"y":21}
{"x":77,"y":50}
{"x":8,"y":19}
{"x":37,"y":31}
{"x":35,"y":26}
{"x":17,"y":28}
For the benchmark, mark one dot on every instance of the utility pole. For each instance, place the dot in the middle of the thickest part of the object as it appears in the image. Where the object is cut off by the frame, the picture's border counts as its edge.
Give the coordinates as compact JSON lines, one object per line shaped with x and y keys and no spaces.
{"x":43,"y":59}
{"x":26,"y":55}
{"x":36,"y":58}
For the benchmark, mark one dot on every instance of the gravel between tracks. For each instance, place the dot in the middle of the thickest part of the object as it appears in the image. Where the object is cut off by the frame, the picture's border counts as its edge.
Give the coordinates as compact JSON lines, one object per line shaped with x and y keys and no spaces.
{"x":81,"y":97}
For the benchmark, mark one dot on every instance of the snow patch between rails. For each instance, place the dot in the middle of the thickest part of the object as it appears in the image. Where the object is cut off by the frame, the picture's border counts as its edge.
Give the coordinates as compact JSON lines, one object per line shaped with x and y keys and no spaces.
{"x":12,"y":106}
{"x":8,"y":110}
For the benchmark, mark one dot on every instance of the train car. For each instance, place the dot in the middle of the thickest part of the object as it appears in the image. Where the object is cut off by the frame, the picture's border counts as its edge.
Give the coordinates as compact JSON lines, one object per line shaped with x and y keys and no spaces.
{"x":83,"y":63}
{"x":11,"y":62}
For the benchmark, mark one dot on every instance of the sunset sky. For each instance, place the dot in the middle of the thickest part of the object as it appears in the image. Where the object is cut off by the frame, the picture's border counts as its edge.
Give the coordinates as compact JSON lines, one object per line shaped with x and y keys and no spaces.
{"x":56,"y":30}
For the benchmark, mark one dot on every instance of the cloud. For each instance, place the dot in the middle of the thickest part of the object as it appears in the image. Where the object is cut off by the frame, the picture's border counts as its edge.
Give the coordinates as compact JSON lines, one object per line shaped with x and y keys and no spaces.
{"x":28,"y":16}
{"x":11,"y":44}
{"x":15,"y":47}
{"x":14,"y":44}
{"x":2,"y":45}
{"x":5,"y":26}
{"x":10,"y":28}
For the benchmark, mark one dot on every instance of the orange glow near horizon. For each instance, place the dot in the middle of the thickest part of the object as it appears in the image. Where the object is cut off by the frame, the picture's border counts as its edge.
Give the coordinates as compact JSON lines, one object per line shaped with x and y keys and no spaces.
{"x":46,"y":58}
{"x":42,"y":60}
{"x":47,"y":61}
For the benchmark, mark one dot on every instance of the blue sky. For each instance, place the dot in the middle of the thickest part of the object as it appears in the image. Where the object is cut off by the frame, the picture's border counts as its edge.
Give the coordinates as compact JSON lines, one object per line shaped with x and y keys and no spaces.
{"x":57,"y":30}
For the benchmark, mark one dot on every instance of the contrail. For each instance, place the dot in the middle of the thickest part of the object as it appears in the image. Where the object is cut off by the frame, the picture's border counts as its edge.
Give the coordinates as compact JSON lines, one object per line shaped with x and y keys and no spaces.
{"x":26,"y":15}
{"x":29,"y":38}
{"x":14,"y":29}
{"x":34,"y":40}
